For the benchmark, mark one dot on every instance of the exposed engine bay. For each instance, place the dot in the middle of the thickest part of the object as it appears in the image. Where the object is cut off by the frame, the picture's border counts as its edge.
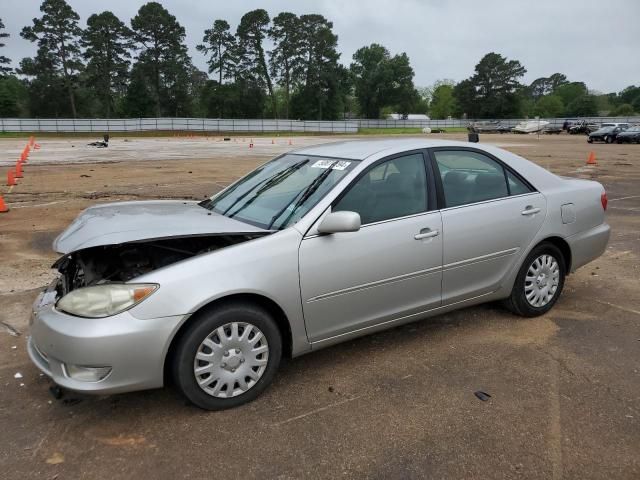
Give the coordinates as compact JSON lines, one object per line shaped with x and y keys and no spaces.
{"x":124,"y":262}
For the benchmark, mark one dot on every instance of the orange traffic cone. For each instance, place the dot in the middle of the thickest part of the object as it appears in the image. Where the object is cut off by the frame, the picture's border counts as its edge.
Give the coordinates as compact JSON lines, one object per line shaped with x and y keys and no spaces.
{"x":11,"y":179}
{"x":19,"y":170}
{"x":3,"y":206}
{"x":592,"y":159}
{"x":290,"y":142}
{"x":273,"y":142}
{"x":36,"y":146}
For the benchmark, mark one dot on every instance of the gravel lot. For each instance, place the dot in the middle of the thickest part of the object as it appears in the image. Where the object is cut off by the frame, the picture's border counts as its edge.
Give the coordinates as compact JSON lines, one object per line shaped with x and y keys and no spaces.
{"x":565,"y":388}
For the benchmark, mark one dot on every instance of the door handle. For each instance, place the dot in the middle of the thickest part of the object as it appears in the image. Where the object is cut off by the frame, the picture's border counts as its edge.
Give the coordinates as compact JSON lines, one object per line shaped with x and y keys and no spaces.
{"x":529,"y":210}
{"x":426,"y":233}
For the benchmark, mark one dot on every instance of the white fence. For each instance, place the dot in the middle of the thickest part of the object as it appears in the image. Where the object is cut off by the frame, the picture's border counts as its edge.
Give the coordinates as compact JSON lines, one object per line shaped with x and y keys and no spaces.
{"x":455,"y":122}
{"x":101,"y":125}
{"x":173,"y":124}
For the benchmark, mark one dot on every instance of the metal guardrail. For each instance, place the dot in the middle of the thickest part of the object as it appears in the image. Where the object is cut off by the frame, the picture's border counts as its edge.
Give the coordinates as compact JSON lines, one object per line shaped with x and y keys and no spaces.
{"x":173,"y":124}
{"x":100,"y":125}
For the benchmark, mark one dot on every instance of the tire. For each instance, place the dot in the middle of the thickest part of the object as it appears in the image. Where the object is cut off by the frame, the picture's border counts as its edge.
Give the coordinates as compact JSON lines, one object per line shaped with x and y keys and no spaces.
{"x":517,"y":302}
{"x":228,"y":355}
{"x":589,"y":140}
{"x":608,"y":139}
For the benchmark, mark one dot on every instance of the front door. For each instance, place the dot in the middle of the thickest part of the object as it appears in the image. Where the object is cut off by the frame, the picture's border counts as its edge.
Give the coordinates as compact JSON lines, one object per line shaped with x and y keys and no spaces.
{"x":388,"y":269}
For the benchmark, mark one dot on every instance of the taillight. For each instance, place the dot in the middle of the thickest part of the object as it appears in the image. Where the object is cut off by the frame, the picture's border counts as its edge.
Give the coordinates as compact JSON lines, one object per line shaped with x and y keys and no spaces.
{"x":603,"y":200}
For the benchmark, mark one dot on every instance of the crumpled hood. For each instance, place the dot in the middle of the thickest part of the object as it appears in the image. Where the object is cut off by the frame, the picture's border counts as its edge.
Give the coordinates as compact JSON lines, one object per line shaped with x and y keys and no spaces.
{"x":115,"y":223}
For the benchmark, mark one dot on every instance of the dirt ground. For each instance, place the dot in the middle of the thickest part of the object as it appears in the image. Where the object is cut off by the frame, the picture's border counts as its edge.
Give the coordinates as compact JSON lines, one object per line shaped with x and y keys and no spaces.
{"x":565,"y":388}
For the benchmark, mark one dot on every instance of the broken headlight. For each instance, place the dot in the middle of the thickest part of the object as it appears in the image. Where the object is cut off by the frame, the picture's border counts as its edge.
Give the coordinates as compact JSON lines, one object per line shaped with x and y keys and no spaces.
{"x":105,"y":300}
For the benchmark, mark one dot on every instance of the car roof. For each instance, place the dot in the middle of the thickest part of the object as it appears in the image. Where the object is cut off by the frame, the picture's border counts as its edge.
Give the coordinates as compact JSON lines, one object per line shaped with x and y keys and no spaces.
{"x":378,"y":148}
{"x":362,"y":149}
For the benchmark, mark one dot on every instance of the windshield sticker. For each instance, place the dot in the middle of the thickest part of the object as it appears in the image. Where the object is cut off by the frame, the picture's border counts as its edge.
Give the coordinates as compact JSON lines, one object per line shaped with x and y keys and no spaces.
{"x":341,"y":165}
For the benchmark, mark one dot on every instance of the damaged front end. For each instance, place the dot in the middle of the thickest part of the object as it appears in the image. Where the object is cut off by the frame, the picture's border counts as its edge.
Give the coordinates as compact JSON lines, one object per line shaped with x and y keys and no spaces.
{"x":123,"y":262}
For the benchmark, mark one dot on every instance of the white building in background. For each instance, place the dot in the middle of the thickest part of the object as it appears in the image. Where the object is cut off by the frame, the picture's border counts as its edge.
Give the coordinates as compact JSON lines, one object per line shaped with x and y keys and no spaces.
{"x":411,"y":116}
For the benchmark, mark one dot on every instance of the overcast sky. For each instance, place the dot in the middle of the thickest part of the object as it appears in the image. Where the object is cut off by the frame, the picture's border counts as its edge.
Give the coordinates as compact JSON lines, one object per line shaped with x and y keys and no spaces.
{"x":591,"y":41}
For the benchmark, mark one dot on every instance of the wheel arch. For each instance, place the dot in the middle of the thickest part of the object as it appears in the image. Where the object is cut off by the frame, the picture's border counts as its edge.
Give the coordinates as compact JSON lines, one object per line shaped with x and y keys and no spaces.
{"x":564,"y":248}
{"x":278,"y":314}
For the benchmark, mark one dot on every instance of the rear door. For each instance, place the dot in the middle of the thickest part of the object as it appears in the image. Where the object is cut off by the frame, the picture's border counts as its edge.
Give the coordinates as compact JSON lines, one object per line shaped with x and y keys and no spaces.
{"x":490,"y":216}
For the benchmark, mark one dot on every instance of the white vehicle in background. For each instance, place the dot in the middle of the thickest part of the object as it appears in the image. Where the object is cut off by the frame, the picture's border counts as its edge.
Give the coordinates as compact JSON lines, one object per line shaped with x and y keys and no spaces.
{"x":623,"y":126}
{"x":530,"y":126}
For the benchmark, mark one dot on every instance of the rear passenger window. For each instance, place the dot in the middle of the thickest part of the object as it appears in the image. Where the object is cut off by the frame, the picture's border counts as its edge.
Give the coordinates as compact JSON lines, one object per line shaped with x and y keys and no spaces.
{"x":516,"y":186}
{"x":470,"y":177}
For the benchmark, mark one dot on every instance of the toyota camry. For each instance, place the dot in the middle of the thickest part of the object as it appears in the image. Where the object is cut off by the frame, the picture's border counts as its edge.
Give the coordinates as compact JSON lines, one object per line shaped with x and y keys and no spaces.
{"x":316,"y":247}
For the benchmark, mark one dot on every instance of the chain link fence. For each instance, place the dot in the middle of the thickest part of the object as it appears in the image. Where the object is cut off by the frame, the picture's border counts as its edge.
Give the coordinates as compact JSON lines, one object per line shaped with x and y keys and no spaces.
{"x":101,"y":125}
{"x":512,"y":122}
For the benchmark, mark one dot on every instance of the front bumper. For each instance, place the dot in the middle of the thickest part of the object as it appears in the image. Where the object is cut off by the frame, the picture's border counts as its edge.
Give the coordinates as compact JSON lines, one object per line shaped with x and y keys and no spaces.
{"x":134,"y":349}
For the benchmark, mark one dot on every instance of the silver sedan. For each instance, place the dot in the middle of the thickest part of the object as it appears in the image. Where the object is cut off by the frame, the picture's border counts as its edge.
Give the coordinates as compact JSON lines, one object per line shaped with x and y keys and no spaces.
{"x":316,"y":247}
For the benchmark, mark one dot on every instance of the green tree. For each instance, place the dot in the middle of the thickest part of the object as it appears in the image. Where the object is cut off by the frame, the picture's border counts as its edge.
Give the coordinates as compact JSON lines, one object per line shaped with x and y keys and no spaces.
{"x":539,"y":88}
{"x":4,"y":60}
{"x":496,"y":81}
{"x":163,"y":58}
{"x":443,"y":102}
{"x":324,"y":82}
{"x":107,"y":43}
{"x":381,"y":80}
{"x":549,"y":106}
{"x":570,"y":92}
{"x":57,"y":34}
{"x":557,"y":80}
{"x":583,"y":106}
{"x":219,"y":44}
{"x":286,"y":60}
{"x":14,"y":97}
{"x":631,"y":96}
{"x":250,"y":34}
{"x":139,"y":100}
{"x":623,"y":110}
{"x":466,"y":104}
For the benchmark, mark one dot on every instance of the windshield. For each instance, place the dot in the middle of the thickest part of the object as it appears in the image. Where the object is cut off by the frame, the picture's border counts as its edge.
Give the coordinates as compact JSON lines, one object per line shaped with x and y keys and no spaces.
{"x":280,"y":192}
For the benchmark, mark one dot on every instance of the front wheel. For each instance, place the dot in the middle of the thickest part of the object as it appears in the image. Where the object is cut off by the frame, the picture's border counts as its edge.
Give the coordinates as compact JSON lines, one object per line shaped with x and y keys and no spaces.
{"x":608,"y":139}
{"x":228,"y":356}
{"x":589,"y":140}
{"x":539,"y":282}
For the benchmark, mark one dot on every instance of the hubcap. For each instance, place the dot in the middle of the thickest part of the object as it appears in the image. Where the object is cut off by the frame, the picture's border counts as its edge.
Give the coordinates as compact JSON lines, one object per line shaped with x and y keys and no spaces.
{"x":231,"y":359}
{"x":542,"y":280}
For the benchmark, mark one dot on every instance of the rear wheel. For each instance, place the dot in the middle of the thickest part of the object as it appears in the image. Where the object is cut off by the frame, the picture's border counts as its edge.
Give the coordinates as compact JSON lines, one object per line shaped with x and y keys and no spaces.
{"x":608,"y":139}
{"x":539,"y":282}
{"x":227,"y":357}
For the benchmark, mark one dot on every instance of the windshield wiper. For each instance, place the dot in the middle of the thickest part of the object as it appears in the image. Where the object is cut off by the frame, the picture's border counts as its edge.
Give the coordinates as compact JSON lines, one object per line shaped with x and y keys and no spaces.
{"x":306,"y":193}
{"x":272,"y":182}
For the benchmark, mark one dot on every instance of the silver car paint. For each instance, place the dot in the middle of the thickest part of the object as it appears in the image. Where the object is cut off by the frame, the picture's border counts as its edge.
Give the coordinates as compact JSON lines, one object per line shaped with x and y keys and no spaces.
{"x":114,"y":223}
{"x":357,"y":301}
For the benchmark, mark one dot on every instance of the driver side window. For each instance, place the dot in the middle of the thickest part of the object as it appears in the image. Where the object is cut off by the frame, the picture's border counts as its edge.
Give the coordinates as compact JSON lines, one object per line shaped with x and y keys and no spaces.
{"x":392,"y":189}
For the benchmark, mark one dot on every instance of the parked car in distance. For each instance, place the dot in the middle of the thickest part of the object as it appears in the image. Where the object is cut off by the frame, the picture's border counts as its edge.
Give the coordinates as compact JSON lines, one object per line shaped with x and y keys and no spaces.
{"x":319,"y":246}
{"x":632,"y":135}
{"x":583,"y":127}
{"x":604,"y":134}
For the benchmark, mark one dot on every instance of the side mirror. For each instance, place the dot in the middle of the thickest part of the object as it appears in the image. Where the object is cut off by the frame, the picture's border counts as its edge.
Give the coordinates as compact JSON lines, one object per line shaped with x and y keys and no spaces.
{"x":337,"y":222}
